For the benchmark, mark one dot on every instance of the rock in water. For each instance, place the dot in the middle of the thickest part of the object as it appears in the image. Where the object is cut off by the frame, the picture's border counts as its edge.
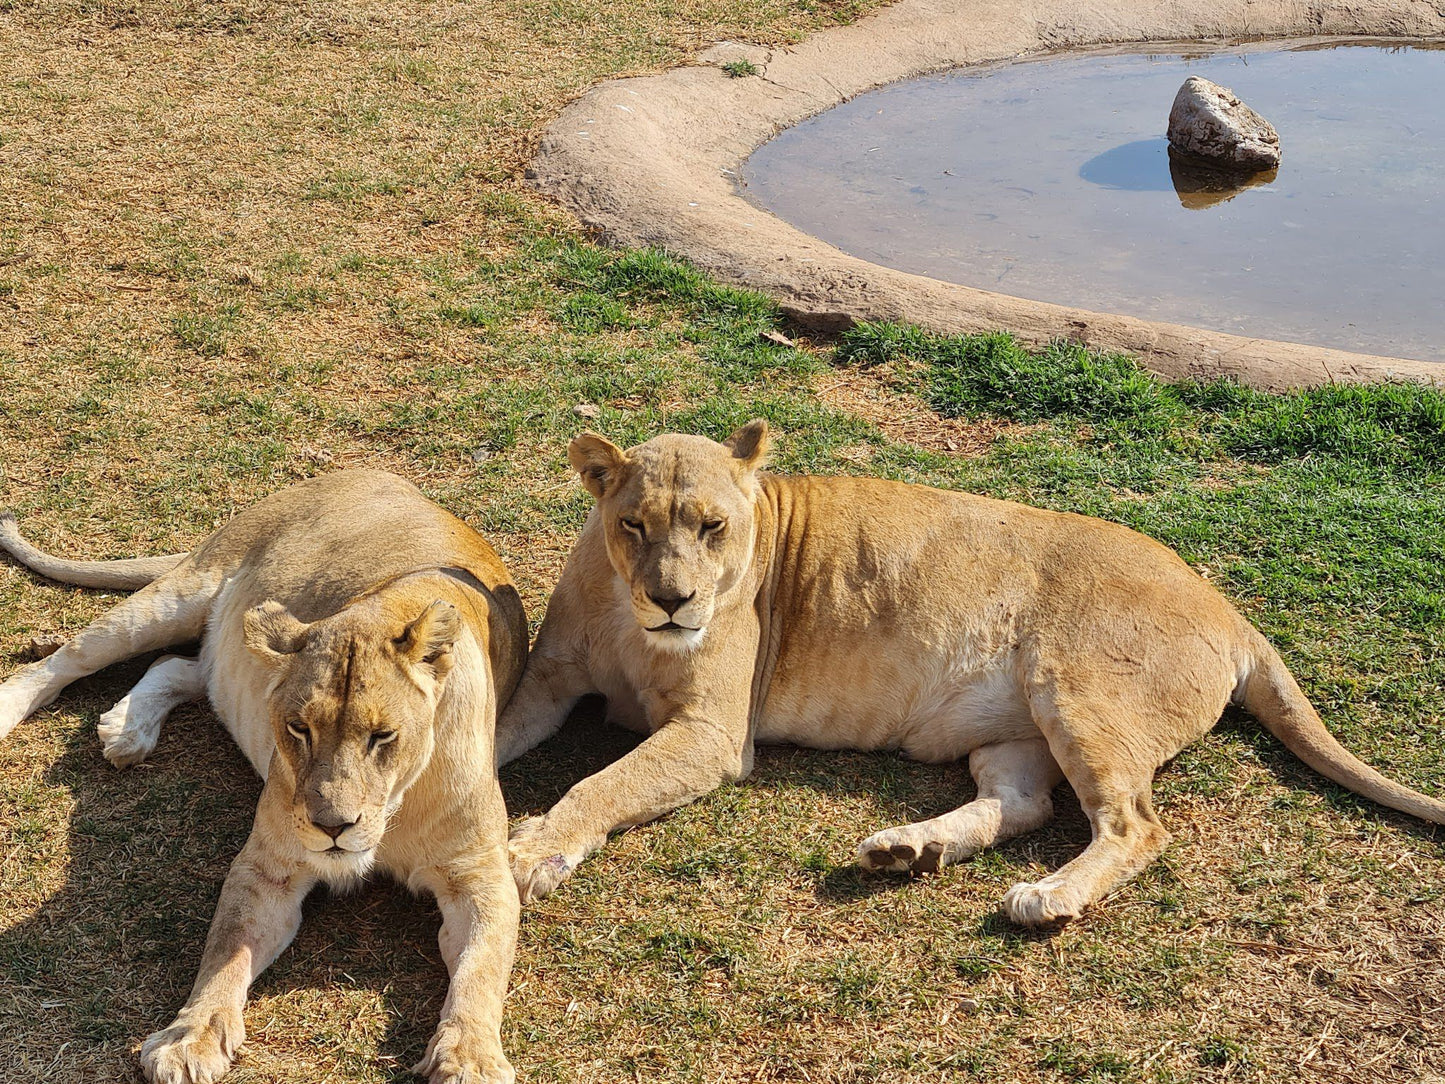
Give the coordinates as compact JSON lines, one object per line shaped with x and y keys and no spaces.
{"x":1209,"y":123}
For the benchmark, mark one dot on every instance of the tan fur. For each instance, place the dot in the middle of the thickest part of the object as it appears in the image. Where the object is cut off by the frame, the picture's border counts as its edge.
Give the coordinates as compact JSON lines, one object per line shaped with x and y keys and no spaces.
{"x":849,"y":613}
{"x":356,"y":642}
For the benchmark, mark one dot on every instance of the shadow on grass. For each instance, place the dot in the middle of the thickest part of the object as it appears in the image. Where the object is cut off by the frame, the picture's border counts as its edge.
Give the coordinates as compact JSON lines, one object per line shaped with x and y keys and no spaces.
{"x":1295,"y":774}
{"x":532,"y":784}
{"x":898,"y":791}
{"x":111,"y":955}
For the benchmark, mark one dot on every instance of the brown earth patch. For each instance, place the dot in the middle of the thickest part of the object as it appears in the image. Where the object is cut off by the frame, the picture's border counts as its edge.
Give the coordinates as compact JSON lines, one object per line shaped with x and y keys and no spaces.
{"x":869,"y":394}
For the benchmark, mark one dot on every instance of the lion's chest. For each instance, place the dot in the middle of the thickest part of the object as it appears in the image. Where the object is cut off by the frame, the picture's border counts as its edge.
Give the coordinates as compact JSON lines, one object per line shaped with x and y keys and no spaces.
{"x":640,"y":684}
{"x":619,"y":673}
{"x":625,"y":708}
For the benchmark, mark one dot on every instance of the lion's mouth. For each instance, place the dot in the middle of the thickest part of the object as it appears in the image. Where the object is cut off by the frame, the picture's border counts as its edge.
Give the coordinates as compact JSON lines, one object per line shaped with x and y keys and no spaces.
{"x":672,"y":626}
{"x":338,"y":853}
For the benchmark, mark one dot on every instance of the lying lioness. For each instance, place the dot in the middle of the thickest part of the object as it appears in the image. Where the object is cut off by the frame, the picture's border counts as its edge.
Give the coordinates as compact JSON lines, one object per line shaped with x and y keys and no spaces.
{"x":716,"y":606}
{"x":356,"y":642}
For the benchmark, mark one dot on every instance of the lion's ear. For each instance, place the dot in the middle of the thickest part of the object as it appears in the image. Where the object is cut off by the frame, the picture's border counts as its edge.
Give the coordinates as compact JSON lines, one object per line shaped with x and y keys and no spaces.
{"x":750,"y":444}
{"x":597,"y":460}
{"x":430,"y":638}
{"x":271,"y":630}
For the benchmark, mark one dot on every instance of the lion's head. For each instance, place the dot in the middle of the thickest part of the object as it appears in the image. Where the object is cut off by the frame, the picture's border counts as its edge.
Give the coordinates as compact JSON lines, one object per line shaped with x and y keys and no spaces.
{"x":352,"y":703}
{"x":677,"y":513}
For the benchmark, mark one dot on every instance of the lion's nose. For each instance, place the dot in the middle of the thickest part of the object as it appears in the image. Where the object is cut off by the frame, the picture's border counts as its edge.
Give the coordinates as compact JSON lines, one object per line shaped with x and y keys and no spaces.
{"x":670,"y":604}
{"x":335,"y":826}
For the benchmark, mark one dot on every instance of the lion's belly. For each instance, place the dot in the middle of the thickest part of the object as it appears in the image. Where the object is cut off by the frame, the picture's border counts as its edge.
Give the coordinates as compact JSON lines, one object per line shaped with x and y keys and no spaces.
{"x":933,"y":709}
{"x":236,"y":681}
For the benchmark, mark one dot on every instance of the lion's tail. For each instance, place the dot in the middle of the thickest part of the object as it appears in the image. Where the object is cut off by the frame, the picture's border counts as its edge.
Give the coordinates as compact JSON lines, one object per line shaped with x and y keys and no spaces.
{"x":124,"y":575}
{"x":1272,"y":696}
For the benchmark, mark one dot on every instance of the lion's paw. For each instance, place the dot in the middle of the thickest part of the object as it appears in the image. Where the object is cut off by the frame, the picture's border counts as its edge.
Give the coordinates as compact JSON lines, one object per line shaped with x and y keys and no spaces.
{"x":538,"y":866}
{"x":455,"y":1057}
{"x":1042,"y":902}
{"x":187,"y":1054}
{"x":889,"y":852}
{"x":15,"y":704}
{"x":536,"y":876}
{"x":127,"y":737}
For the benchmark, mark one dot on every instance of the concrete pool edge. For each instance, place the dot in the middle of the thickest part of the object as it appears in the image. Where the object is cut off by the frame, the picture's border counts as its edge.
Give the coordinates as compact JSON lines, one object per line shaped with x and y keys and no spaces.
{"x":654,"y":160}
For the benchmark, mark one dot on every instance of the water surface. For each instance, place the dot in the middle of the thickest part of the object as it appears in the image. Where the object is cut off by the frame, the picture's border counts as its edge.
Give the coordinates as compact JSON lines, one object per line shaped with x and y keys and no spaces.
{"x":1049,"y":179}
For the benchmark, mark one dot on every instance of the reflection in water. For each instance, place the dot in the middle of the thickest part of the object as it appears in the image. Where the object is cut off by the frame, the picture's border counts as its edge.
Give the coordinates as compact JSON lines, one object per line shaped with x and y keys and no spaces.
{"x":1051,"y":179}
{"x":1149,"y":165}
{"x":1200,"y":186}
{"x":1135,"y":167}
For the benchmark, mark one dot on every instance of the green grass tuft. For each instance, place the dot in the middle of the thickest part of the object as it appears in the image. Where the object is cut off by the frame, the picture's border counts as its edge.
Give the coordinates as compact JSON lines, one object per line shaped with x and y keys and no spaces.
{"x":1400,"y":426}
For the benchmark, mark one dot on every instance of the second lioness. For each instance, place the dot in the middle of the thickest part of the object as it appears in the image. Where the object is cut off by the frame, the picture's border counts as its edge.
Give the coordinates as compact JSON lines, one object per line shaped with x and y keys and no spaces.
{"x":715,"y":605}
{"x":356,"y":641}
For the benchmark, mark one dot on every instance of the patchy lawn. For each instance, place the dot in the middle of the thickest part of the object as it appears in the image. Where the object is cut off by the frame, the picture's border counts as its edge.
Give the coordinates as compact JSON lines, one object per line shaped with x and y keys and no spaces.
{"x":244,"y":243}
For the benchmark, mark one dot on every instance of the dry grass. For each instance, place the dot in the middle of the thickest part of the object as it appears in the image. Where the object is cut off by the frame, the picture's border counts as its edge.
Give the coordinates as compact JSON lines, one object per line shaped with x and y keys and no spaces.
{"x":873,"y":394}
{"x":245,"y":242}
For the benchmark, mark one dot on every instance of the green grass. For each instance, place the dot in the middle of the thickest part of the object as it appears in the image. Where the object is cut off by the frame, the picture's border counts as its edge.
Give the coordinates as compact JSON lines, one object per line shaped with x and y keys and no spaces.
{"x":354,"y":275}
{"x":735,"y":930}
{"x":1390,"y":426}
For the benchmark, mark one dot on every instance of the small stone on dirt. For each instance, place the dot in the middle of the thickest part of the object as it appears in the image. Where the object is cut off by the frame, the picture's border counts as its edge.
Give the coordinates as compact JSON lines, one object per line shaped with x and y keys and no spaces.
{"x":1209,"y":122}
{"x":44,"y":645}
{"x":587,"y":410}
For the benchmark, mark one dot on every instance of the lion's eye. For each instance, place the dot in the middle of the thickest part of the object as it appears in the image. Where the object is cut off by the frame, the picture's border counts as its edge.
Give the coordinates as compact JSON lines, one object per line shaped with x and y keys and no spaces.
{"x":300,"y":731}
{"x":711,"y":526}
{"x":379,"y":738}
{"x":633,"y":525}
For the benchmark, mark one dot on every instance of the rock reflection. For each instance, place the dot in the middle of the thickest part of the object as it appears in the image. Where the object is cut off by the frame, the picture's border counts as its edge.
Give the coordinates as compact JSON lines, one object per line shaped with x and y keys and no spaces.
{"x":1130,"y":167}
{"x":1200,"y":186}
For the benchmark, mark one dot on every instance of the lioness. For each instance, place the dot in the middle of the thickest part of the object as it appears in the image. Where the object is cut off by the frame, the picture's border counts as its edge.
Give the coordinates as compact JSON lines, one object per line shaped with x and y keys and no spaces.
{"x":356,"y":642}
{"x":715,"y":606}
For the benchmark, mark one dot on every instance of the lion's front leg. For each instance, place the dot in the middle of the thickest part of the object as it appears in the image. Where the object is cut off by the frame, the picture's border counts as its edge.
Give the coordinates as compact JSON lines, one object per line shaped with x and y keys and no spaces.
{"x":681,"y":762}
{"x":478,"y":939}
{"x":259,"y":911}
{"x":550,"y":687}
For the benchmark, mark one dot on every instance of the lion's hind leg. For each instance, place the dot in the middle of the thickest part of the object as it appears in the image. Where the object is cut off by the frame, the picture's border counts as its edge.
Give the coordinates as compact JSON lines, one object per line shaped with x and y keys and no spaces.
{"x":1127,"y":837}
{"x":1109,"y":758}
{"x":130,"y":730}
{"x":1014,"y":784}
{"x":170,"y":611}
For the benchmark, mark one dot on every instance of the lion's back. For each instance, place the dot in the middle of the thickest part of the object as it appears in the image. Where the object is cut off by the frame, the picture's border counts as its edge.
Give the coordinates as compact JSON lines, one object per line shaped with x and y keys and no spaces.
{"x":894,"y":604}
{"x":316,"y":545}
